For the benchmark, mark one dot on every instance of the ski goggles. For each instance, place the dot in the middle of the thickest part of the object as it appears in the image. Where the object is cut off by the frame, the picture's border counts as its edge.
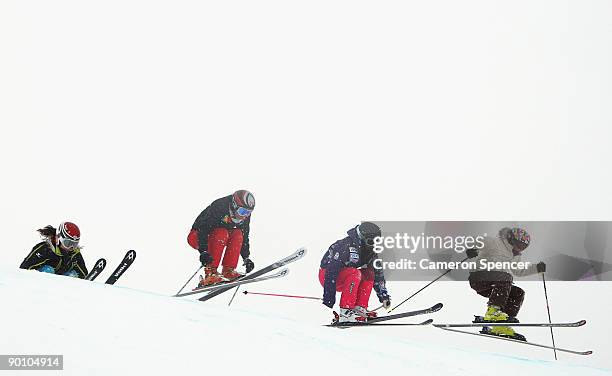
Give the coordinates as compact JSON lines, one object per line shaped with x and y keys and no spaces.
{"x":521,"y":236}
{"x":69,"y":243}
{"x":243,"y":212}
{"x":368,"y":241}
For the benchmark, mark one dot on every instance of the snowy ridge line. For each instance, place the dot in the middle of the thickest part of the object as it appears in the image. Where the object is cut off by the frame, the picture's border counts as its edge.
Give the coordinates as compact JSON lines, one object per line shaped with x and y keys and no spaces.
{"x":301,"y":336}
{"x":589,"y":352}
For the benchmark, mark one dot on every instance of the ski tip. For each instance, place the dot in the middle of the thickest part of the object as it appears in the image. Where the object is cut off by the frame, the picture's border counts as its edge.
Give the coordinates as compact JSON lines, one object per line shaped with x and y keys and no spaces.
{"x":245,"y":292}
{"x":337,"y":326}
{"x":437,"y":307}
{"x":283,"y":272}
{"x":581,"y":323}
{"x":587,"y":352}
{"x":302,"y":251}
{"x":427,"y":322}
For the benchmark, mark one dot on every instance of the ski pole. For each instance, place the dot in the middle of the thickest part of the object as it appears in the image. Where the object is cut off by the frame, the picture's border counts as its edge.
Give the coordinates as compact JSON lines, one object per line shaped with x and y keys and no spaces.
{"x":282,"y":295}
{"x":552,"y":335}
{"x":424,"y":287}
{"x":233,"y":296}
{"x":189,"y":280}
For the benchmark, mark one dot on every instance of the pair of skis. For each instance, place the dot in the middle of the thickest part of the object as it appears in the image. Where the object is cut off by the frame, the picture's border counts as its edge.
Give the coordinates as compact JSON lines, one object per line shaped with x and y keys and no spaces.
{"x":380,"y":321}
{"x":232,"y":284}
{"x":257,"y":276}
{"x":450,"y":328}
{"x":99,"y":266}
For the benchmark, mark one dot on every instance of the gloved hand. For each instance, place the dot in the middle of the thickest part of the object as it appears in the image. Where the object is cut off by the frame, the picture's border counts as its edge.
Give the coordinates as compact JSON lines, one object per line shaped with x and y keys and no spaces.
{"x":471,"y":253}
{"x":249,"y":265}
{"x":385,"y":299}
{"x":541,"y":266}
{"x":205,"y":258}
{"x":386,"y":303}
{"x":72,"y":273}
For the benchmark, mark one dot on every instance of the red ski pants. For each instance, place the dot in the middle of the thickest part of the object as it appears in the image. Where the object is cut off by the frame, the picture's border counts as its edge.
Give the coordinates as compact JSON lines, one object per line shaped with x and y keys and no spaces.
{"x":354,"y":284}
{"x":221,"y":239}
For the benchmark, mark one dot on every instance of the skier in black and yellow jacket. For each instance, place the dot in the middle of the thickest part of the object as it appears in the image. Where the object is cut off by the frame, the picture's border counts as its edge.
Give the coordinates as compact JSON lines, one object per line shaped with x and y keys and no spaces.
{"x":58,"y":253}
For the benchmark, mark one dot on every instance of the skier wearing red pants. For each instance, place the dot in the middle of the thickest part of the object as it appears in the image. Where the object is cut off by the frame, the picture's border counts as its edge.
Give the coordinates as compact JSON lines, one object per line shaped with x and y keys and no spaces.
{"x":347,"y":267}
{"x":221,"y":233}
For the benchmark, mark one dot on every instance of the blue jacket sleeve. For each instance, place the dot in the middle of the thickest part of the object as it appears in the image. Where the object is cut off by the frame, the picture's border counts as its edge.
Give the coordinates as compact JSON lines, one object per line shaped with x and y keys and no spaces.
{"x":379,"y":284}
{"x":333,"y":268}
{"x":331,"y":276}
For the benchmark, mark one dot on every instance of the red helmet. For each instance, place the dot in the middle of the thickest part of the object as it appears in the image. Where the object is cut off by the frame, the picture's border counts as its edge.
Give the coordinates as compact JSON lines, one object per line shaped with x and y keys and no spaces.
{"x":69,"y":235}
{"x":243,"y":203}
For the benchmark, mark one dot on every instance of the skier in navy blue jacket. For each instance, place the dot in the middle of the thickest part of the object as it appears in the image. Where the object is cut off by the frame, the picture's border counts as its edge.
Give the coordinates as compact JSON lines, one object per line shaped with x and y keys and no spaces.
{"x":347,"y":267}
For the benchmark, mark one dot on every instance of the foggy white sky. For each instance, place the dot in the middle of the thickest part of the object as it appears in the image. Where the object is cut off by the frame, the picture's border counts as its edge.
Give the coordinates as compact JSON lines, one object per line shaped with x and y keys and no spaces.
{"x":128,"y":117}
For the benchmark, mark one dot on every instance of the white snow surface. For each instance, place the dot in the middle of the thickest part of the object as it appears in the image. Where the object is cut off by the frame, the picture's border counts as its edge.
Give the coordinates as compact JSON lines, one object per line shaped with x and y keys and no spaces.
{"x":115,"y":330}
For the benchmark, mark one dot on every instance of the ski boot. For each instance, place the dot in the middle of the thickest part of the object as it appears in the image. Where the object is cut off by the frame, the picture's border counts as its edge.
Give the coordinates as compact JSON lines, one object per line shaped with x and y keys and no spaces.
{"x":503,"y":331}
{"x":212,"y":277}
{"x":230,"y":273}
{"x":347,"y":316}
{"x":496,"y":315}
{"x":363,"y":311}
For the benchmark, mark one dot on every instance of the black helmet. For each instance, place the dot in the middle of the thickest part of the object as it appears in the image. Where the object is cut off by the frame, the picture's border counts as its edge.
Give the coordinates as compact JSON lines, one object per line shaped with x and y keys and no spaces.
{"x":367,"y":231}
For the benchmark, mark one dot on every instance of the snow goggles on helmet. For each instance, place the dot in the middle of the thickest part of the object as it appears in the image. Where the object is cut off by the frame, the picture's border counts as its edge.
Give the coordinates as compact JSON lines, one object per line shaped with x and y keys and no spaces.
{"x":240,"y":211}
{"x":368,"y":241}
{"x":521,"y":237}
{"x":68,"y":243}
{"x":368,"y":232}
{"x":243,"y":212}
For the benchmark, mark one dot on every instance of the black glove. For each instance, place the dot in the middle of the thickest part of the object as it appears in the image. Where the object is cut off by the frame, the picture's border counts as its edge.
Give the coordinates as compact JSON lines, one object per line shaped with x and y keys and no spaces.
{"x":249,"y":265}
{"x":471,"y":253}
{"x":541,"y":267}
{"x":205,"y":258}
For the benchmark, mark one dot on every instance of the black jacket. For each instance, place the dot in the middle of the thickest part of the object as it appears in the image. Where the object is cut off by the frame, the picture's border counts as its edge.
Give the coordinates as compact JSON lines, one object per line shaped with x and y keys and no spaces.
{"x":217,"y":215}
{"x":45,"y":253}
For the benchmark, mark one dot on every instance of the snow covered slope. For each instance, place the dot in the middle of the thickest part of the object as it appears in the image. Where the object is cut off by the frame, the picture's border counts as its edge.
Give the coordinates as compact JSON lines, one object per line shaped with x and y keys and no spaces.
{"x":113,"y":330}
